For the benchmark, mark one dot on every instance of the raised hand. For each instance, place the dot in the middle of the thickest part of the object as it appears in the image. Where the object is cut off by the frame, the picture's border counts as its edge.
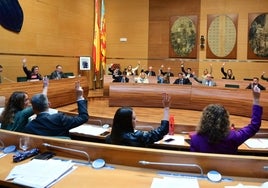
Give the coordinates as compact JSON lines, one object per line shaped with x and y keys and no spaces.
{"x":166,"y":100}
{"x":79,"y":90}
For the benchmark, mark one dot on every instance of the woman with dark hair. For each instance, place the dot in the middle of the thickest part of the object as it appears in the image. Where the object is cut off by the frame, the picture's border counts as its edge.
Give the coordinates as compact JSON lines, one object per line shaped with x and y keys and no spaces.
{"x":18,"y":110}
{"x":123,"y":129}
{"x":228,"y":74}
{"x":32,"y":74}
{"x":214,"y":133}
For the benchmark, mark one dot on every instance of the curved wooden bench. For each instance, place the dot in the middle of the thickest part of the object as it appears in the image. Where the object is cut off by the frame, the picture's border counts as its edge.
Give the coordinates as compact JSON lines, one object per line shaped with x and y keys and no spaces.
{"x":130,"y":156}
{"x":60,"y":92}
{"x":189,"y":97}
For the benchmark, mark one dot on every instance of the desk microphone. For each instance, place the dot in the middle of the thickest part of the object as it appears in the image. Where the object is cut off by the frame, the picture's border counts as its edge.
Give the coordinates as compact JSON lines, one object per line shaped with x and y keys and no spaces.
{"x":172,"y":164}
{"x":68,"y":149}
{"x":5,"y":78}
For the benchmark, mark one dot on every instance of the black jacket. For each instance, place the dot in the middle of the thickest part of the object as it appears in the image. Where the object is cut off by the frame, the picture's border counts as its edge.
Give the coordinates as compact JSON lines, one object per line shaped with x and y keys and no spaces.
{"x":142,"y":138}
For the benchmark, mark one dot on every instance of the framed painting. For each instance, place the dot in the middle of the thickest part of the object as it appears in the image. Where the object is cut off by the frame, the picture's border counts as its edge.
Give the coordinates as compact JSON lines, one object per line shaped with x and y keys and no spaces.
{"x":222,"y":36}
{"x":183,"y":37}
{"x":258,"y":36}
{"x":84,"y":63}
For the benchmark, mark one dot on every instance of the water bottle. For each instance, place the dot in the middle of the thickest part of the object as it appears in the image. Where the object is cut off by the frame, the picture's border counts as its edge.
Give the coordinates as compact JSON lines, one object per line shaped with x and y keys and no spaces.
{"x":171,"y":125}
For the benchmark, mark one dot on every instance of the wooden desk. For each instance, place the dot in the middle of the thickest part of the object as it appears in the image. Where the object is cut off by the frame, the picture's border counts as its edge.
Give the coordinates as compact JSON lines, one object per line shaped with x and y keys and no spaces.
{"x":118,"y":176}
{"x":237,"y":101}
{"x":130,"y":156}
{"x":60,"y":92}
{"x":181,"y":142}
{"x":90,"y":133}
{"x":153,"y":79}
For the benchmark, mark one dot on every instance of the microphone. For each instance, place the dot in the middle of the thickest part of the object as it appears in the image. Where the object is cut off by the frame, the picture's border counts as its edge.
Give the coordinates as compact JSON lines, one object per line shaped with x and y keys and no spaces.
{"x":5,"y":78}
{"x":68,"y":149}
{"x":173,"y":164}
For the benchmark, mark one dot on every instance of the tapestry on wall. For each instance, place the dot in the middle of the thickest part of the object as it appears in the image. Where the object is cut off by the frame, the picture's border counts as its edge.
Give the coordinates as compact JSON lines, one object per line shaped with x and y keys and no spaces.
{"x":222,"y":36}
{"x":11,"y":15}
{"x":183,"y":37}
{"x":258,"y":36}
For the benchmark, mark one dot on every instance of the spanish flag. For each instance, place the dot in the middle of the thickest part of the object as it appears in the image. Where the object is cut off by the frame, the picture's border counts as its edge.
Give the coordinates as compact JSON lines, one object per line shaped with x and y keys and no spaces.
{"x":103,"y":36}
{"x":96,"y":40}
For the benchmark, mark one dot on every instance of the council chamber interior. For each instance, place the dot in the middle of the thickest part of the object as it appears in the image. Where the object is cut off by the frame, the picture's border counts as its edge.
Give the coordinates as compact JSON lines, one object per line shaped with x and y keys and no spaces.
{"x":203,"y":34}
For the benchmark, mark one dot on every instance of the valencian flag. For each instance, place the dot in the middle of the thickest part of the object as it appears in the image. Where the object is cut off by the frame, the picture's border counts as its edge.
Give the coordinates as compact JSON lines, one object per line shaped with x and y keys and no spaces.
{"x":103,"y":36}
{"x":96,"y":40}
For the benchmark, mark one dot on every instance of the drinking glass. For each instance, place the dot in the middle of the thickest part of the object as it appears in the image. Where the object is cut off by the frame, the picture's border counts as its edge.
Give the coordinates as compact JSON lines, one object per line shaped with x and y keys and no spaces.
{"x":24,"y":143}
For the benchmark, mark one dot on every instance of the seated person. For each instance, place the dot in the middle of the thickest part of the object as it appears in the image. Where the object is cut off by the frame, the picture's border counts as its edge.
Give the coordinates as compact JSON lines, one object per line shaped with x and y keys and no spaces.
{"x":56,"y":124}
{"x":150,"y":71}
{"x":255,"y":82}
{"x":142,"y":78}
{"x":182,"y":80}
{"x":187,"y":73}
{"x":207,"y":81}
{"x":227,"y":75}
{"x":132,"y":70}
{"x":205,"y":72}
{"x":264,"y":78}
{"x":112,"y":67}
{"x":214,"y":134}
{"x":162,"y":79}
{"x":116,"y":75}
{"x":123,"y":129}
{"x":57,"y":73}
{"x":168,"y":73}
{"x":122,"y":78}
{"x":32,"y":74}
{"x":18,"y":110}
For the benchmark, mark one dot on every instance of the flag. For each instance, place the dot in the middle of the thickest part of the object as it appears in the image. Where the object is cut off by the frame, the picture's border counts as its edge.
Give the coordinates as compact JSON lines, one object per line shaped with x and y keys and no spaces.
{"x":103,"y":36}
{"x":96,"y":40}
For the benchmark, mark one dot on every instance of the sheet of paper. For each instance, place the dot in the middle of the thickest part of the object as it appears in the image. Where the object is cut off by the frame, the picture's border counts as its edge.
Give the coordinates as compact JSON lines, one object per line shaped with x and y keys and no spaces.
{"x":257,"y":143}
{"x":174,"y":183}
{"x":264,"y":185}
{"x":88,"y":130}
{"x":39,"y":173}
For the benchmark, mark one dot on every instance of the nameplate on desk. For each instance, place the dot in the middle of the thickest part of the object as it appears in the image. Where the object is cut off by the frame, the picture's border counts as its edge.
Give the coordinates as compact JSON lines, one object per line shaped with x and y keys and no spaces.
{"x":257,"y":143}
{"x":88,"y":129}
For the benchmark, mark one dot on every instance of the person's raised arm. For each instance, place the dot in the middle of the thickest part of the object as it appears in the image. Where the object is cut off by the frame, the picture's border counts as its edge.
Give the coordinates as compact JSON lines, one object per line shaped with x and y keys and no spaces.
{"x":210,"y":68}
{"x":166,"y":105}
{"x":24,"y":60}
{"x":79,"y":91}
{"x":222,"y":69}
{"x":256,"y":95}
{"x":45,"y":85}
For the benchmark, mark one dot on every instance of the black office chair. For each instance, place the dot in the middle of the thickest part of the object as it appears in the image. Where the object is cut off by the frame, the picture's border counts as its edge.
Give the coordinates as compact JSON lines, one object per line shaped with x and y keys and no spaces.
{"x":69,"y":74}
{"x":21,"y":79}
{"x":232,"y":85}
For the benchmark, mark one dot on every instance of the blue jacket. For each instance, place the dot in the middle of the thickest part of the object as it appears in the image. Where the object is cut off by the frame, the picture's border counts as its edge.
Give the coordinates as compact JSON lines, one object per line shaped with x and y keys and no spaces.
{"x":57,"y":124}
